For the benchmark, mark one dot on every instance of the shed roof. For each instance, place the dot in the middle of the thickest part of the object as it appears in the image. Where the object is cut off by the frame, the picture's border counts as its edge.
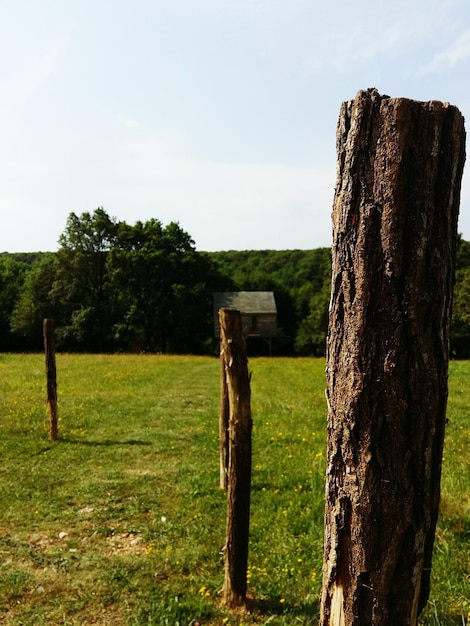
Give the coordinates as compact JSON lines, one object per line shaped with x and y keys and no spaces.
{"x":246,"y":301}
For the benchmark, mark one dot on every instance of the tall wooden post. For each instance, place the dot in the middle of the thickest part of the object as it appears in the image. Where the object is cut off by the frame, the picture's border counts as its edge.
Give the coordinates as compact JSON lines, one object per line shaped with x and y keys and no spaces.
{"x":49,"y":350}
{"x":395,"y":210}
{"x":233,"y":352}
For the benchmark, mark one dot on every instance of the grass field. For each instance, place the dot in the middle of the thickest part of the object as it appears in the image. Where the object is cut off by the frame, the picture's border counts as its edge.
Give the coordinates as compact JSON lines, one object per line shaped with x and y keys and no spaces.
{"x":121,"y":521}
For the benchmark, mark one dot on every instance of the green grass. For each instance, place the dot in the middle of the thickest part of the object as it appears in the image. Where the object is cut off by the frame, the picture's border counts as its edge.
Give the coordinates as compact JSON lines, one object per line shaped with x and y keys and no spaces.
{"x":121,"y":521}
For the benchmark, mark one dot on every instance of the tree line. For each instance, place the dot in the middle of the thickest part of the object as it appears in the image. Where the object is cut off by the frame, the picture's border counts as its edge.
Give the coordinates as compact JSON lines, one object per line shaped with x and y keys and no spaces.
{"x":116,"y":287}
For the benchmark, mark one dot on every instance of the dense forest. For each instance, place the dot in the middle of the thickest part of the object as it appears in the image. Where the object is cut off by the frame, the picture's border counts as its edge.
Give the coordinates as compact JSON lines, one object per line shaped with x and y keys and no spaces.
{"x":115,"y":287}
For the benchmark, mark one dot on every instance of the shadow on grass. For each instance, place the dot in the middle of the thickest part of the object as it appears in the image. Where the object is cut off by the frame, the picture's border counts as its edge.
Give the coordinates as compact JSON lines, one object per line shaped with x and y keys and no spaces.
{"x":270,"y":607}
{"x":104,"y":442}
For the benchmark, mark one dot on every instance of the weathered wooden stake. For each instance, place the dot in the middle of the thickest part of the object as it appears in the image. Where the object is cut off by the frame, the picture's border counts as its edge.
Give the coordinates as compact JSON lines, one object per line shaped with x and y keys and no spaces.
{"x":233,"y":352}
{"x":223,"y":425}
{"x":49,"y":350}
{"x":395,"y":210}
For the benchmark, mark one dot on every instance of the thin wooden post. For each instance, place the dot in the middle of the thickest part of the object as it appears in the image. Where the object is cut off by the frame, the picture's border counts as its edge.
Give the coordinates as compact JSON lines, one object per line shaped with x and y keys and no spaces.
{"x":233,"y":352}
{"x":223,"y":425}
{"x":395,"y":211}
{"x":49,"y":350}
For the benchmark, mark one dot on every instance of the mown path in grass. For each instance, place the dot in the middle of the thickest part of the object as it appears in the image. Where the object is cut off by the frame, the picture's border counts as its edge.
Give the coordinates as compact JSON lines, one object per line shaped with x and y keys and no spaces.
{"x":121,"y":521}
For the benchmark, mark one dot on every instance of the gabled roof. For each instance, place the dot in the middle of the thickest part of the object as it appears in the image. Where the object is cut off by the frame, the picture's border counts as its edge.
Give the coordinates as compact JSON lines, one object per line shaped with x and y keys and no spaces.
{"x":246,"y":301}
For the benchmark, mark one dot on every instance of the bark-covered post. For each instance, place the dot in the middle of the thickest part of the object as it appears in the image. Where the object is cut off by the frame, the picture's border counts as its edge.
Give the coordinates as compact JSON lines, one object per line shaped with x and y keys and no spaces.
{"x":49,"y":350}
{"x":223,"y":425}
{"x":233,"y":353}
{"x":395,"y":210}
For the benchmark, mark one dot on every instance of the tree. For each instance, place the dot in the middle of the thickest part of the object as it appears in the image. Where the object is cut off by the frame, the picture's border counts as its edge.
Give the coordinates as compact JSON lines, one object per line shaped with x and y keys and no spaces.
{"x":395,"y":214}
{"x":81,"y":286}
{"x":462,"y":258}
{"x":34,"y":302}
{"x":162,"y":285}
{"x":460,"y":335}
{"x":112,"y":286}
{"x":12,"y":276}
{"x":311,"y":333}
{"x":313,"y":313}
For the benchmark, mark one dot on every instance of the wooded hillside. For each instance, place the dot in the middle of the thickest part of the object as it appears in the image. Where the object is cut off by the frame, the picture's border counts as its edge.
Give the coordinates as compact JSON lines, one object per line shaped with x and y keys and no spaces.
{"x":113,"y":287}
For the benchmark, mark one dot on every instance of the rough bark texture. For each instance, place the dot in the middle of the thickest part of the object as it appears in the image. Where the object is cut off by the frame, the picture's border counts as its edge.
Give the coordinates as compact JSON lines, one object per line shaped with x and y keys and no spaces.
{"x":395,"y":212}
{"x":233,"y":352}
{"x":223,"y":426}
{"x":51,"y":378}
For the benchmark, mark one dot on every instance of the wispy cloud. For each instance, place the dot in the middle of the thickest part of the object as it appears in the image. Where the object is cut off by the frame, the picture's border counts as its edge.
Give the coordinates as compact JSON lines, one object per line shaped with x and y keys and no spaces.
{"x":377,"y":34}
{"x":130,"y":123}
{"x":456,"y":52}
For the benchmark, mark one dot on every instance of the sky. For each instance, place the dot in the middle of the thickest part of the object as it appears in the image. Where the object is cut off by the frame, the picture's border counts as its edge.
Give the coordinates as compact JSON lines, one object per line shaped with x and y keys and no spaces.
{"x":219,"y":115}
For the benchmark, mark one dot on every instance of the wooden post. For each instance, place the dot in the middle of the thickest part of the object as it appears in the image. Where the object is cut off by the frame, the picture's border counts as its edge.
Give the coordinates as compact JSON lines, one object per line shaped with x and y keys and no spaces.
{"x":49,"y":350}
{"x":233,"y":352}
{"x":223,"y":425}
{"x":395,"y":211}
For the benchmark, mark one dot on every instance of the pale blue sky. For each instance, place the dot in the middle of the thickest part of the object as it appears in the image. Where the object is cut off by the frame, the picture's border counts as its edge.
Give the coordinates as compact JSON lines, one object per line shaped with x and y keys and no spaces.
{"x":220,"y":115}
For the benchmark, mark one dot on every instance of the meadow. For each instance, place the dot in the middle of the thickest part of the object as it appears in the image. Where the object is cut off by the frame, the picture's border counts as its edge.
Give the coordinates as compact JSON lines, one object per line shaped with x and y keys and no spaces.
{"x":122,"y":521}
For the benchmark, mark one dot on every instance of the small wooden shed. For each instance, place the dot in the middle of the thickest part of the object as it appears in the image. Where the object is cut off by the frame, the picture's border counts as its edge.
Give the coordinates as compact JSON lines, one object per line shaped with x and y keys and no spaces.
{"x":257,"y":308}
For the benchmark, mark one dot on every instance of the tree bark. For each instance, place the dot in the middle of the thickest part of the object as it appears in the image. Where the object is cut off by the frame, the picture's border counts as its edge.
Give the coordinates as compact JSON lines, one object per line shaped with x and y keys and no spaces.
{"x":223,"y":425}
{"x":51,"y":377}
{"x":233,"y":352}
{"x":395,"y":211}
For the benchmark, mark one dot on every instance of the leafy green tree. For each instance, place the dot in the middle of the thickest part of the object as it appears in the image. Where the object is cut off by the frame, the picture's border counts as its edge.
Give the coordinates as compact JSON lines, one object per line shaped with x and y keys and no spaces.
{"x":34,"y":302}
{"x":311,"y":334}
{"x":162,"y":282}
{"x":112,"y":286}
{"x":463,"y":254}
{"x":313,"y":326}
{"x":81,"y":286}
{"x":460,"y":329}
{"x":12,"y":276}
